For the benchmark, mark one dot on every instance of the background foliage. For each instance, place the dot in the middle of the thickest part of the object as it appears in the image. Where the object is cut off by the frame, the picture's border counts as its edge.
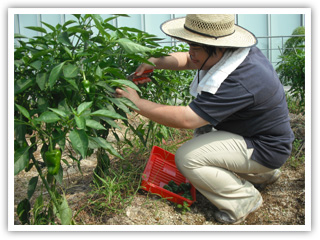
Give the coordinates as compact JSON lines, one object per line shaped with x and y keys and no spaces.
{"x":291,"y":68}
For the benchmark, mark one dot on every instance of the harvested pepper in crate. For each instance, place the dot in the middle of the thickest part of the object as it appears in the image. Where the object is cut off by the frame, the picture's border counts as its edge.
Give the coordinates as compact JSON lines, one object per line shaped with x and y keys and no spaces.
{"x":159,"y":171}
{"x":175,"y":187}
{"x":183,"y":188}
{"x":167,"y":187}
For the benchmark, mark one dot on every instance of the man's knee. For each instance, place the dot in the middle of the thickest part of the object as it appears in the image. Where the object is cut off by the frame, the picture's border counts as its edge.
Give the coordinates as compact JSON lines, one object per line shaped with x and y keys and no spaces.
{"x":180,"y":159}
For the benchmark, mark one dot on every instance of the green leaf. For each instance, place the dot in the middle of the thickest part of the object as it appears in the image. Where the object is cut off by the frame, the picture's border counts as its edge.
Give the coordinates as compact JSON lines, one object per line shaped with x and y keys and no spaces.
{"x":54,"y":74}
{"x":32,"y":186}
{"x":70,"y":71}
{"x":17,"y":35}
{"x":72,"y":83}
{"x":139,"y":59}
{"x":77,"y":29}
{"x":23,"y":111}
{"x":80,"y":121}
{"x":38,"y":29}
{"x":49,"y":26}
{"x":38,"y":54}
{"x":23,"y":211}
{"x":41,"y":80}
{"x":120,"y":83}
{"x":59,"y":176}
{"x":68,"y":23}
{"x":21,"y":159}
{"x":22,"y":84}
{"x":68,"y":51}
{"x":105,"y":86}
{"x":36,"y":64}
{"x":104,"y":144}
{"x":59,"y":112}
{"x":97,"y":20}
{"x":65,"y":212}
{"x":129,"y":103}
{"x":63,"y":105}
{"x":132,"y":47}
{"x":83,"y":106}
{"x":48,"y":117}
{"x":94,"y":124}
{"x":98,"y":72}
{"x":119,"y":104}
{"x":110,"y":122}
{"x":79,"y":141}
{"x":64,"y":38}
{"x":107,"y":113}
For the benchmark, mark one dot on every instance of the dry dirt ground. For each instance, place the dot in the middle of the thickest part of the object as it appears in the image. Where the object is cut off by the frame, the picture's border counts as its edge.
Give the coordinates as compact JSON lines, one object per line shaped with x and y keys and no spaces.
{"x":284,"y":201}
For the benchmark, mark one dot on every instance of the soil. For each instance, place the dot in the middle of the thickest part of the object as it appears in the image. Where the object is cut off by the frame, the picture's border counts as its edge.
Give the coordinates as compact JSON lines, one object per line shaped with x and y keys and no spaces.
{"x":284,"y":201}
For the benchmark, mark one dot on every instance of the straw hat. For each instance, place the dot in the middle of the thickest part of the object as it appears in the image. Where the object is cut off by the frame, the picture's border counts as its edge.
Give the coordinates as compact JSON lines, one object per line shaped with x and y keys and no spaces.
{"x":209,"y":29}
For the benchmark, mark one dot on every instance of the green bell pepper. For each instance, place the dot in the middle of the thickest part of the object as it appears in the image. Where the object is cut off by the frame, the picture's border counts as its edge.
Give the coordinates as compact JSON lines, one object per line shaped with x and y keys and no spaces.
{"x":52,"y":160}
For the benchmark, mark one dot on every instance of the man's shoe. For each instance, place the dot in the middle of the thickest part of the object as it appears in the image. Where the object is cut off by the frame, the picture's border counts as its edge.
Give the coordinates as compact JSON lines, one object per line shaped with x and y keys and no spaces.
{"x":276,"y":175}
{"x":224,"y":217}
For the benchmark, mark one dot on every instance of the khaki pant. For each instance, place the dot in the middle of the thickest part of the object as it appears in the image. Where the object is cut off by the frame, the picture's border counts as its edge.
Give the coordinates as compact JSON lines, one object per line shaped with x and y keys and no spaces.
{"x":209,"y":162}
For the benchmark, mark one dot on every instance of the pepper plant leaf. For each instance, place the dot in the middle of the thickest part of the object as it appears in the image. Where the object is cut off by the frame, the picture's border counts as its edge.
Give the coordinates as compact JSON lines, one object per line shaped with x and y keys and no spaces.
{"x":32,"y":186}
{"x":80,"y":121}
{"x":54,"y":74}
{"x":22,"y":84}
{"x":79,"y":141}
{"x":38,"y":29}
{"x":21,"y":159}
{"x":129,"y":103}
{"x":41,"y":80}
{"x":59,"y":112}
{"x":48,"y":117}
{"x":106,"y":145}
{"x":70,"y":71}
{"x":120,"y":83}
{"x":107,"y":113}
{"x":23,"y":111}
{"x":132,"y":47}
{"x":94,"y":124}
{"x":83,"y":106}
{"x":119,"y":104}
{"x":64,"y":38}
{"x":65,"y":212}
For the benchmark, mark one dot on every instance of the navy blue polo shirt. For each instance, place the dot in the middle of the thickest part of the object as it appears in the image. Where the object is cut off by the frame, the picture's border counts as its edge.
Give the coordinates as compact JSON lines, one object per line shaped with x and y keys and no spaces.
{"x":251,"y":102}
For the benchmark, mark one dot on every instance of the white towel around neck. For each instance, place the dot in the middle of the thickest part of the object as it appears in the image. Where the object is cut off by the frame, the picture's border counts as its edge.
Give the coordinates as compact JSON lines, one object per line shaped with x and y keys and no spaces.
{"x":211,"y":80}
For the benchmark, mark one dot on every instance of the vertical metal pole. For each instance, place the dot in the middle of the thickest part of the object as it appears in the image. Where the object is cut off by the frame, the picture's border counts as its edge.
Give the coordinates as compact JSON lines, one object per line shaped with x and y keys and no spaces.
{"x":115,"y":22}
{"x":63,"y":19}
{"x":143,"y":22}
{"x":302,"y":20}
{"x":39,"y":23}
{"x":18,"y":22}
{"x":172,"y":40}
{"x":269,"y":52}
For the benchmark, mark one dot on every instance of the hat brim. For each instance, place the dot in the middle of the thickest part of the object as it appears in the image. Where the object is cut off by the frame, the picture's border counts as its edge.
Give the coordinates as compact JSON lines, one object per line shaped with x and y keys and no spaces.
{"x":240,"y":38}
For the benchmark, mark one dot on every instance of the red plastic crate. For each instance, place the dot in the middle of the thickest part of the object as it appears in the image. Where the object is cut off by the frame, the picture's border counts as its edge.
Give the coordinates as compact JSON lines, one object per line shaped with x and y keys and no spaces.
{"x":160,"y":169}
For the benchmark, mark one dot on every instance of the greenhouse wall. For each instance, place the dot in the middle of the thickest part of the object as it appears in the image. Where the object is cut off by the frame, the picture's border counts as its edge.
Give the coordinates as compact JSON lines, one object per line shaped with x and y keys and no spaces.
{"x":272,"y":30}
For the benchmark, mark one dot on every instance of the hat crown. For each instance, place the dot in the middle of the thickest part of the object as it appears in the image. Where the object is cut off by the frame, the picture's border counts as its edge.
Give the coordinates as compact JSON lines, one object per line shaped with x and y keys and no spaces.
{"x":215,"y":25}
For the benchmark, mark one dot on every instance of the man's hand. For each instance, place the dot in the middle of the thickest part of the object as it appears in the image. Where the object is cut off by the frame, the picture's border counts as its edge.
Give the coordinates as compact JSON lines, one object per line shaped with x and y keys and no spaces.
{"x":129,"y":93}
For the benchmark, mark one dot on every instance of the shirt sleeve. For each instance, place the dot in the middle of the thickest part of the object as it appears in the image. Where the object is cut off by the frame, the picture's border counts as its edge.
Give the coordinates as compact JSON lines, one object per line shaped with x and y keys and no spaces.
{"x":230,"y":99}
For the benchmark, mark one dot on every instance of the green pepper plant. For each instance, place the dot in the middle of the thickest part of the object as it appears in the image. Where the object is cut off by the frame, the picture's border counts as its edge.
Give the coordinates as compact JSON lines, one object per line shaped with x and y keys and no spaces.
{"x":167,"y":87}
{"x":64,"y":84}
{"x":291,"y":68}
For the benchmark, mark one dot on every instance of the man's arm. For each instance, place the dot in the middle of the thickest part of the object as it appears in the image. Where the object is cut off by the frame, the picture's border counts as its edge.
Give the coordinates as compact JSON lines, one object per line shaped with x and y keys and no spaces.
{"x":175,"y":61}
{"x":171,"y":116}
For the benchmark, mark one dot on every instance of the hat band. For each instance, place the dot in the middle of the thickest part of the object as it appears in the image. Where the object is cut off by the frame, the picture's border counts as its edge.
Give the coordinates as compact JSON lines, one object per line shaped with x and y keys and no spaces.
{"x":207,"y":35}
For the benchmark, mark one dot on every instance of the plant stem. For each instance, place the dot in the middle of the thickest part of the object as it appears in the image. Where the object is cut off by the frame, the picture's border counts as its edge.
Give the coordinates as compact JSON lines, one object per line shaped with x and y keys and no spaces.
{"x":52,"y":196}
